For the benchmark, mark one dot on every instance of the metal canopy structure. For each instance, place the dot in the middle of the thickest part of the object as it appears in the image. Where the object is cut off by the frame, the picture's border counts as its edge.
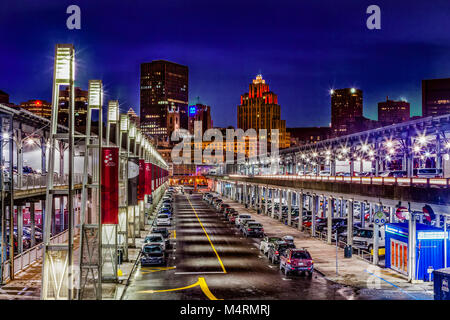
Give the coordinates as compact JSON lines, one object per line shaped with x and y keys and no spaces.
{"x":90,"y":259}
{"x":57,"y":269}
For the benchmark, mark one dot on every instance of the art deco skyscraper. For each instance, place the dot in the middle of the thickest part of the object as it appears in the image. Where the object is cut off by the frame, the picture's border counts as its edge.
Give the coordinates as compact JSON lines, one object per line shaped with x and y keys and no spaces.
{"x":259,"y":109}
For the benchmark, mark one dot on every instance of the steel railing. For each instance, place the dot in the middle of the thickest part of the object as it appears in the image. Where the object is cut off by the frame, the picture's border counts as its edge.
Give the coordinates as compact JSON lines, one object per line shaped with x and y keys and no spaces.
{"x":36,"y":180}
{"x":427,"y":182}
{"x":30,"y":256}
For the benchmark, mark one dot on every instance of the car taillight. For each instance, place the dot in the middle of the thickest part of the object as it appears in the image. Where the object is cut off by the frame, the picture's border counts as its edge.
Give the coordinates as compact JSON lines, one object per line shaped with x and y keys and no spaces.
{"x":288,"y":261}
{"x":276,"y":252}
{"x":262,"y":229}
{"x":249,"y":229}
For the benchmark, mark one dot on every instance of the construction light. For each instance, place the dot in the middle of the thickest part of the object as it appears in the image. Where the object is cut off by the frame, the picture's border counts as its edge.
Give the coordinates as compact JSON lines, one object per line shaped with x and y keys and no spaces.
{"x":113,"y":111}
{"x":138,"y":136}
{"x":5,"y":135}
{"x":64,"y":63}
{"x":124,"y":122}
{"x":95,"y":92}
{"x":422,"y":140}
{"x":416,"y":148}
{"x":132,"y":130}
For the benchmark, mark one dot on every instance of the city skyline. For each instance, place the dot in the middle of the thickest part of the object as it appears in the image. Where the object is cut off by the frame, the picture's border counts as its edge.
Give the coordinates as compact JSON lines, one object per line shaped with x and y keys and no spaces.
{"x":306,"y":58}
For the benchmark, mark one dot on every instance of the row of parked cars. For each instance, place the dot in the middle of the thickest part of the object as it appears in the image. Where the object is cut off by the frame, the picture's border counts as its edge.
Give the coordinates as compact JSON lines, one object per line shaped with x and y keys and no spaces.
{"x":280,"y":251}
{"x":157,"y":242}
{"x":283,"y":251}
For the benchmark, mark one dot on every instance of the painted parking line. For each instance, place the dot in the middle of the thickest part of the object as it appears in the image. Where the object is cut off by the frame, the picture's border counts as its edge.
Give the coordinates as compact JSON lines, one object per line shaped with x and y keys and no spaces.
{"x":405,"y":292}
{"x":146,"y":270}
{"x":200,"y":282}
{"x":207,"y":236}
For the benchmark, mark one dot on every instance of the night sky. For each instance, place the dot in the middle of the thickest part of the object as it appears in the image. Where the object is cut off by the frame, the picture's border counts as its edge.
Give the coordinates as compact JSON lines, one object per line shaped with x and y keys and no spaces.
{"x":302,"y":48}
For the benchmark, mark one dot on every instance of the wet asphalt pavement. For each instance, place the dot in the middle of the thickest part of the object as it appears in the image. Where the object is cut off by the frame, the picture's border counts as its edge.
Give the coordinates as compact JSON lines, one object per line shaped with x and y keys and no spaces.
{"x":210,"y":259}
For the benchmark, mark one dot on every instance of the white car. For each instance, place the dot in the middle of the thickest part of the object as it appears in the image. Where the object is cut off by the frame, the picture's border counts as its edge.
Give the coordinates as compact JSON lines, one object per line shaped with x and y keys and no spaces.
{"x":264,"y":244}
{"x":324,"y":173}
{"x":155,"y":238}
{"x":241,"y":217}
{"x":162,"y":220}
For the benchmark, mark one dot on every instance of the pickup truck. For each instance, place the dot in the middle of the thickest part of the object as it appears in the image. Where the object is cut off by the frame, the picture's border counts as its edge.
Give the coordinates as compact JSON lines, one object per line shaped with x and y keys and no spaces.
{"x":363,"y":238}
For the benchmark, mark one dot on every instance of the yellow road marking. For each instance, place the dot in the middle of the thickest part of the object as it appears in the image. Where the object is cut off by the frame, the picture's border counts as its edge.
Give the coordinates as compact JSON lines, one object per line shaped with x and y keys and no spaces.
{"x":155,"y":269}
{"x":174,"y":234}
{"x":210,"y":242}
{"x":200,"y":282}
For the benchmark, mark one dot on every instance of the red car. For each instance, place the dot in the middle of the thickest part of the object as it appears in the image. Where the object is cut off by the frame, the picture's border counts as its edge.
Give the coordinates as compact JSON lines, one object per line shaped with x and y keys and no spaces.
{"x":297,"y":260}
{"x":232,"y":217}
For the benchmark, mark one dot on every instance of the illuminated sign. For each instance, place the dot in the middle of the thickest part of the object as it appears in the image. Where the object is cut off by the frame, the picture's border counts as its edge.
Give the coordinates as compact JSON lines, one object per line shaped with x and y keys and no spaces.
{"x":397,"y":231}
{"x":431,"y":235}
{"x":192,"y":110}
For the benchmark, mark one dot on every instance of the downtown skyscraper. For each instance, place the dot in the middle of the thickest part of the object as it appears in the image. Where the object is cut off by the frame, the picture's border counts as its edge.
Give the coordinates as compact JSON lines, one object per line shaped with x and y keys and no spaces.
{"x":259,"y":109}
{"x":163,"y":90}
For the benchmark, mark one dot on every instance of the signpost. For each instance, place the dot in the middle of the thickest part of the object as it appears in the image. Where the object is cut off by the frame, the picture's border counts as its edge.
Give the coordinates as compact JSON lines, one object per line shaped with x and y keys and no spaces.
{"x":379,"y":220}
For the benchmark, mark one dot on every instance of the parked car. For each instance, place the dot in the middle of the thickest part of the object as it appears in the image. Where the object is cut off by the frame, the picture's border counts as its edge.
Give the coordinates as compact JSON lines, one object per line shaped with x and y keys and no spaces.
{"x":244,"y":223}
{"x":222,"y":207}
{"x":288,"y":239}
{"x":240,"y":217}
{"x":163,"y":219}
{"x":364,"y":238}
{"x":152,"y":254}
{"x":164,"y":232}
{"x":324,"y":173}
{"x":277,"y":248}
{"x":156,"y":238}
{"x":427,"y":173}
{"x":296,"y":260}
{"x":266,"y":241}
{"x":232,"y":217}
{"x":394,"y":173}
{"x":253,"y":229}
{"x":227,"y":211}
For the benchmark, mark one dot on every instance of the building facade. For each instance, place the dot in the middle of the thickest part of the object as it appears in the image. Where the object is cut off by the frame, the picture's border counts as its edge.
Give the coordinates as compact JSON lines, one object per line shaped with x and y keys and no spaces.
{"x":163,"y":88}
{"x":392,"y":112}
{"x":133,"y":117}
{"x":346,"y":108}
{"x":39,"y":107}
{"x":202,"y":113}
{"x":259,"y":109}
{"x":435,"y":97}
{"x":307,"y":135}
{"x":81,"y":103}
{"x":4,"y":97}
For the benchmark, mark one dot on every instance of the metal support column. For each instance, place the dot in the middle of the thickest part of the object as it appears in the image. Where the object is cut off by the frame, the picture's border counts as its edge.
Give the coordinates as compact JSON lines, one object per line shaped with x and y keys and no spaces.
{"x":329,"y":218}
{"x":289,"y":203}
{"x":57,"y":269}
{"x":300,"y":197}
{"x":350,"y":204}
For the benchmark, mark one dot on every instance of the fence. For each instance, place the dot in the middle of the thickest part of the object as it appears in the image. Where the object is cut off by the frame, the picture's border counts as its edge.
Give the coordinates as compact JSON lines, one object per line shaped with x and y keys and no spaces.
{"x":35,"y":180}
{"x":30,"y":256}
{"x":426,"y":182}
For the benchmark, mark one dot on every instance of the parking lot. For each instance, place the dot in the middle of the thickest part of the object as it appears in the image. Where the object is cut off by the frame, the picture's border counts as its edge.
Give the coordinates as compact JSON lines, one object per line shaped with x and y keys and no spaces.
{"x":211,"y":259}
